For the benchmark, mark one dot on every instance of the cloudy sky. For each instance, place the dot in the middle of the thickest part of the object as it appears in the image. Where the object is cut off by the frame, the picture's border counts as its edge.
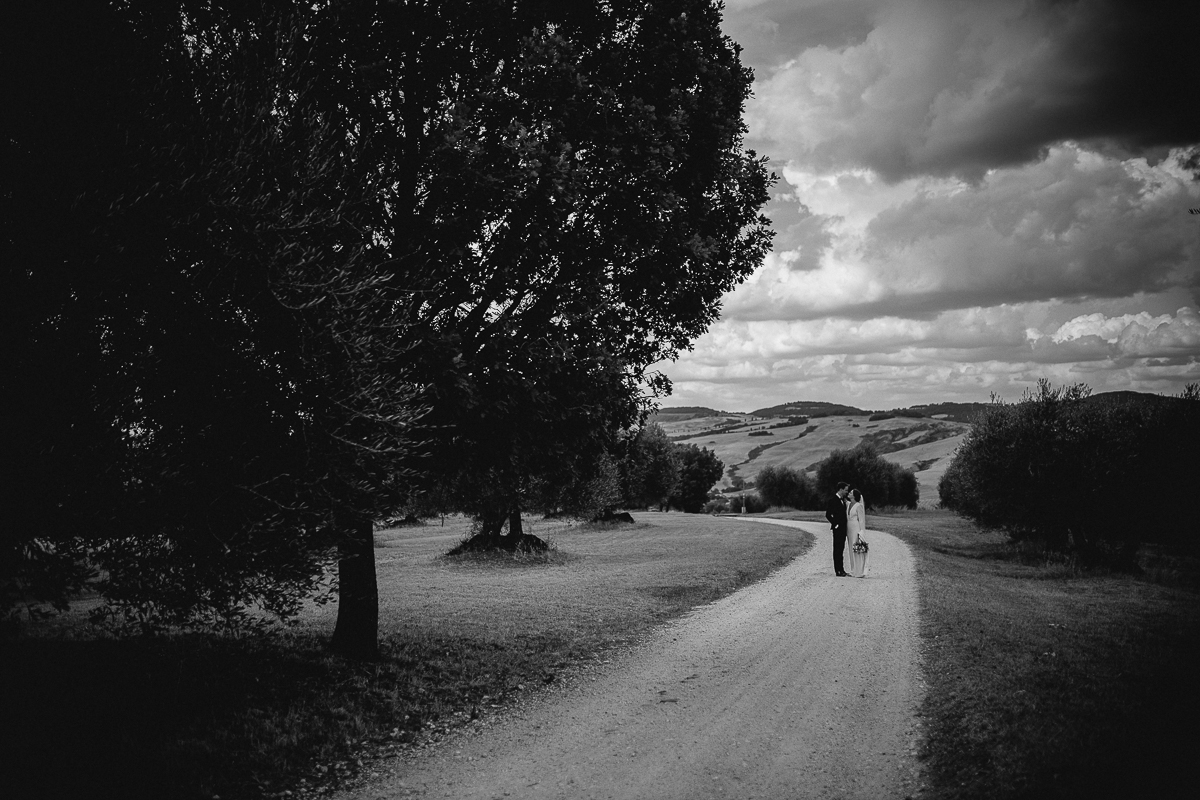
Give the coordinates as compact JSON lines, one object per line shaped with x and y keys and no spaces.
{"x":971,"y":196}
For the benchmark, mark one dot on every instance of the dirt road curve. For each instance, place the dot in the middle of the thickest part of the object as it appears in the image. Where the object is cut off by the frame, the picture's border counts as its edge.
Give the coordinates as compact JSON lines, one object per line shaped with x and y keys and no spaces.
{"x":801,"y":686}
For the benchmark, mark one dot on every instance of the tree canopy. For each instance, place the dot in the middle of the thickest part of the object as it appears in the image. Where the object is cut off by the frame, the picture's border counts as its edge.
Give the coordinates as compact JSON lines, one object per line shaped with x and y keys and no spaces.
{"x":881,"y":482}
{"x":1076,"y":472}
{"x":784,"y":486}
{"x":274,"y":265}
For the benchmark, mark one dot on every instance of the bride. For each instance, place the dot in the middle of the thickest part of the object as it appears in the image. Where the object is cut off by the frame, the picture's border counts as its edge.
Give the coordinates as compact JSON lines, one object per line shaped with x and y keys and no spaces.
{"x":856,"y":518}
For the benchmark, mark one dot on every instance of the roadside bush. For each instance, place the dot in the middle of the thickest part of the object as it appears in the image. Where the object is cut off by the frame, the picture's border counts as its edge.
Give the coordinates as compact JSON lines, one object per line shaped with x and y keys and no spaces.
{"x":784,"y":486}
{"x":1095,"y":475}
{"x":881,"y":482}
{"x":755,"y":504}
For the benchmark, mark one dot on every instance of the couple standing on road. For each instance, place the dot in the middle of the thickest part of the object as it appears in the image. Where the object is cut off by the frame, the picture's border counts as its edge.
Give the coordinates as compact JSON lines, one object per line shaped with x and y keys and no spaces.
{"x":847,"y":516}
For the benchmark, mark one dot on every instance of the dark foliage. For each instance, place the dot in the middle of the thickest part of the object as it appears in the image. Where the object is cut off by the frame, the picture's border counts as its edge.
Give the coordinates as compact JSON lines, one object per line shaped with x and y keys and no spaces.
{"x":238,"y":237}
{"x":881,"y":482}
{"x":213,"y":380}
{"x":784,"y":486}
{"x":752,"y":502}
{"x":650,"y":468}
{"x":699,"y":469}
{"x":1095,"y":474}
{"x":582,"y":187}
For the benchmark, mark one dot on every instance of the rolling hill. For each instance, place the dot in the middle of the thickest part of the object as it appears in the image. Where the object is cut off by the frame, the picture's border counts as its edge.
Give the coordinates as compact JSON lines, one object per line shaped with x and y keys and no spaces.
{"x":922,"y":438}
{"x":921,"y":443}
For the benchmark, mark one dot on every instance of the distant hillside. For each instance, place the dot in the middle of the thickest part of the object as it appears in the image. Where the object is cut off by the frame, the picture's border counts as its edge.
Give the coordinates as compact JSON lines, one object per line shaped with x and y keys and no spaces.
{"x":680,"y":413}
{"x":951,"y":412}
{"x":966,"y":412}
{"x":955,"y":412}
{"x":809,"y":408}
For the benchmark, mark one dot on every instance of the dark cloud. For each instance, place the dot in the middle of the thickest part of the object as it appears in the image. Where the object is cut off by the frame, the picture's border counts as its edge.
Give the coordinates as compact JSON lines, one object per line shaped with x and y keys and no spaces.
{"x":973,"y":201}
{"x":943,"y":88}
{"x":773,"y":31}
{"x":1074,"y":226}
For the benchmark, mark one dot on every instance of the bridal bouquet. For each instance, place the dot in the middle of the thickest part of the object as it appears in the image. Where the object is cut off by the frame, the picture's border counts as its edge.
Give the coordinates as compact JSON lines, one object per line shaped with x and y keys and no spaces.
{"x":861,"y":546}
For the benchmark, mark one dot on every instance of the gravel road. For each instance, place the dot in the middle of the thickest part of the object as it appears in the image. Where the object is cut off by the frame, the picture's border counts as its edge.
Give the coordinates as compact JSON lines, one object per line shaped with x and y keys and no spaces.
{"x":803,"y":685}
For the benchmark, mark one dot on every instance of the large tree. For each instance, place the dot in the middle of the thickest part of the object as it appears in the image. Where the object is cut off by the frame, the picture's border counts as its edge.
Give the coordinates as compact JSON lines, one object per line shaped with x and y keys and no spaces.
{"x":241,"y":235}
{"x":210,"y":341}
{"x":699,"y":469}
{"x":650,"y":467}
{"x":585,"y":176}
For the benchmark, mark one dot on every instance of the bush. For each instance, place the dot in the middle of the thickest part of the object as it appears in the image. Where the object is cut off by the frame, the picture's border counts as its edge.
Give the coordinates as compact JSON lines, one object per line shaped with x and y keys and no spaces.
{"x":784,"y":486}
{"x":733,"y":504}
{"x":1096,"y":475}
{"x":881,"y":482}
{"x":755,"y":504}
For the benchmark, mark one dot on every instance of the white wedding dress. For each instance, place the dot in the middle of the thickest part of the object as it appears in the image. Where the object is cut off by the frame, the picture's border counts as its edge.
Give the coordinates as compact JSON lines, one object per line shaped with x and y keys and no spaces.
{"x":856,"y":519}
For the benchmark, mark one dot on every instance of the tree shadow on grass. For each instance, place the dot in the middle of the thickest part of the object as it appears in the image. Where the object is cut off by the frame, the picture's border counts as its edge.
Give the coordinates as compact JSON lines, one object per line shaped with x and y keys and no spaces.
{"x":179,"y":717}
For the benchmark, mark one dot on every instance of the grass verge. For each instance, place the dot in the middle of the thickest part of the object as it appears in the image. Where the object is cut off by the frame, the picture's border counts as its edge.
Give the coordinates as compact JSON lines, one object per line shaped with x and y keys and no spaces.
{"x":203,"y":716}
{"x":1045,"y":680}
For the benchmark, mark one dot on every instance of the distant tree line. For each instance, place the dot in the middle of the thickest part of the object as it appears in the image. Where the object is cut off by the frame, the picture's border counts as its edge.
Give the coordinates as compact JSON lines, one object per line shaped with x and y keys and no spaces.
{"x":1094,"y":475}
{"x":276,"y":270}
{"x":658,"y":472}
{"x":882,"y":483}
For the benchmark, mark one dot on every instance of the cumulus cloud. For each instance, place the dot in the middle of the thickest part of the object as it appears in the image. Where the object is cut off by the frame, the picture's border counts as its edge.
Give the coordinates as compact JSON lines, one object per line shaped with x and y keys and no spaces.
{"x":966,"y":354}
{"x":1073,"y":225}
{"x":939,"y":87}
{"x":1128,"y":336}
{"x":974,"y":196}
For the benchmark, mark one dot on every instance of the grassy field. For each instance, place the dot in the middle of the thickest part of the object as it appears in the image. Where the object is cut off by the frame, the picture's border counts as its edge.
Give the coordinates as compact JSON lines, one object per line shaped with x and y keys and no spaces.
{"x":198,"y":716}
{"x":1045,"y":681}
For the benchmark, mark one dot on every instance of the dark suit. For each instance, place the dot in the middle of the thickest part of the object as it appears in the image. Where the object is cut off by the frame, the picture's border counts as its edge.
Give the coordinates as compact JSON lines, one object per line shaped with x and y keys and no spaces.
{"x":835,"y":512}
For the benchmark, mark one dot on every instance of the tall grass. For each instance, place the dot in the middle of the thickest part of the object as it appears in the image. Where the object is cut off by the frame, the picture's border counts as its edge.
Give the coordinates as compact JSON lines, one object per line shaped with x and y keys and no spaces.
{"x":1045,"y":678}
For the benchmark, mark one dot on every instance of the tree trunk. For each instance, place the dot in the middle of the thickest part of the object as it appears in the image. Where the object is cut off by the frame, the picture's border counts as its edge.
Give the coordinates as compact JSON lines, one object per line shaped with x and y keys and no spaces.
{"x":356,"y":634}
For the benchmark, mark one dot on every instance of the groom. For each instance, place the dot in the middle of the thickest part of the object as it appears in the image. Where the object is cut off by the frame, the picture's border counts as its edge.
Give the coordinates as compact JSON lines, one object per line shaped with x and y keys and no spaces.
{"x":835,"y":512}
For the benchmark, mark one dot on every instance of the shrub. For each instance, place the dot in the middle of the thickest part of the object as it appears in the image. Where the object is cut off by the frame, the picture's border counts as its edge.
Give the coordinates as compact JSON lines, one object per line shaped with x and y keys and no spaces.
{"x":755,"y":504}
{"x":717,"y":504}
{"x":1097,"y":475}
{"x":784,"y":486}
{"x":881,"y":482}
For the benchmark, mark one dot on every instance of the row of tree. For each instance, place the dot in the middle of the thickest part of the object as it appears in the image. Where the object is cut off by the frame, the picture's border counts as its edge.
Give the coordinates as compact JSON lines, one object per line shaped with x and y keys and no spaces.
{"x":659,"y":472}
{"x":1096,"y":475}
{"x":882,"y":483}
{"x":274,"y":270}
